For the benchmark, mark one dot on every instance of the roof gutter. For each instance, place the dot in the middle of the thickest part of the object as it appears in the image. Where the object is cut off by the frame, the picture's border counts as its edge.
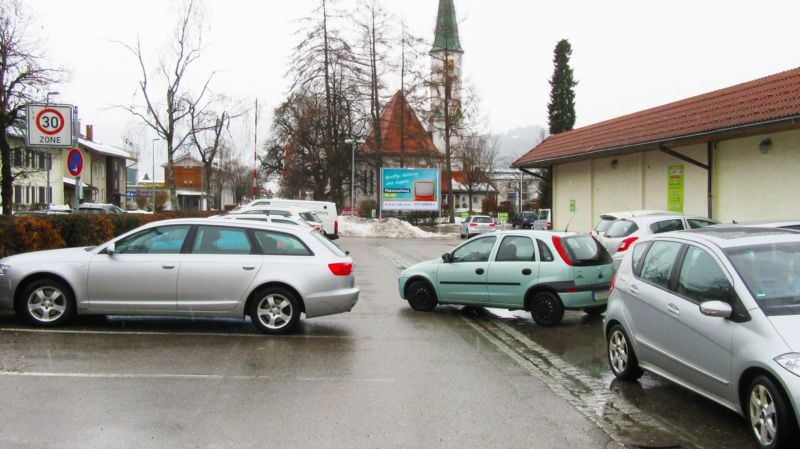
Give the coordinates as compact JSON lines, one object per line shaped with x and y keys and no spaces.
{"x":660,"y":143}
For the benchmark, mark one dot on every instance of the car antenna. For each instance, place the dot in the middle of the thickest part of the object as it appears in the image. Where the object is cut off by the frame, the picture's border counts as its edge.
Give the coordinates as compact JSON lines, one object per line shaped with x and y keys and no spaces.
{"x":570,"y":221}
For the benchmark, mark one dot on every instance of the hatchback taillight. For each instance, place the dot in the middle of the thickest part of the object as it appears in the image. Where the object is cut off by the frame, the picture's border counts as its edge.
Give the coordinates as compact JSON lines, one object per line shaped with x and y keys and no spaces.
{"x":613,"y":283}
{"x":473,"y":225}
{"x":561,"y":251}
{"x":491,"y":225}
{"x":626,"y":243}
{"x":341,"y":268}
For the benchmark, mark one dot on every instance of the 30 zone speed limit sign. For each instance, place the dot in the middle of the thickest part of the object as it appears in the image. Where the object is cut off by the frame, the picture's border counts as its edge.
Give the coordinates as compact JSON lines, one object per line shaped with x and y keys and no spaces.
{"x":49,"y":125}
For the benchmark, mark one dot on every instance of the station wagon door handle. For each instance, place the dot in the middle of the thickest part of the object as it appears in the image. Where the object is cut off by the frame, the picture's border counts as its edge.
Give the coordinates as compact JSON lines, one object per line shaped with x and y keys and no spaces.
{"x":634,"y":289}
{"x":479,"y":271}
{"x":526,"y":271}
{"x":673,"y":309}
{"x":248,"y":268}
{"x":167,"y":267}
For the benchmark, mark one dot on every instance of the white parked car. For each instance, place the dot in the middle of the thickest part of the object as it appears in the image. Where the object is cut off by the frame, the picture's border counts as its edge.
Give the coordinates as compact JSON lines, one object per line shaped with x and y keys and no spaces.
{"x":286,"y":211}
{"x":326,"y":210}
{"x":186,"y":267}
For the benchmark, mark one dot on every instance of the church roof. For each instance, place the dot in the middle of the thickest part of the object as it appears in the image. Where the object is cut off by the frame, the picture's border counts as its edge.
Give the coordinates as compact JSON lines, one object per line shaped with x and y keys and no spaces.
{"x":401,"y":129}
{"x":446,"y":37}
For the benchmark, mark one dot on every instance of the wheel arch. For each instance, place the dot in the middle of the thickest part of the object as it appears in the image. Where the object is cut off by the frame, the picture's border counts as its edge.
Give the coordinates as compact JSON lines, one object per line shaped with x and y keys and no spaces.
{"x":748,"y":376}
{"x":419,"y":277}
{"x":31,"y":278}
{"x":273,"y":284}
{"x":536,"y":289}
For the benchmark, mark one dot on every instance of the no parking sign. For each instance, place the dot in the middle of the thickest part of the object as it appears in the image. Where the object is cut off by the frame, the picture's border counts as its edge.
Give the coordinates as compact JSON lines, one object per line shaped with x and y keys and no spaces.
{"x":75,"y":162}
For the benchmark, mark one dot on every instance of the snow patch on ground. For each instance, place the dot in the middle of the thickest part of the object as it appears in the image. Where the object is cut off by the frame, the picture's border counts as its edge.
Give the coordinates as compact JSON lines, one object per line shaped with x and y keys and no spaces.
{"x":387,"y":228}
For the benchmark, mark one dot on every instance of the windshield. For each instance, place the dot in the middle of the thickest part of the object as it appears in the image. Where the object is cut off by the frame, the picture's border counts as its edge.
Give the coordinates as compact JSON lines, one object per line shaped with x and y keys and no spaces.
{"x":772,"y":275}
{"x":621,"y":228}
{"x":586,"y":251}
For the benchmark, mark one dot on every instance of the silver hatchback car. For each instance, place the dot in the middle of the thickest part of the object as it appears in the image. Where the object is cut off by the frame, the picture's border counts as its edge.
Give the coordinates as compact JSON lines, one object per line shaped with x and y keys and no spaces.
{"x":716,"y":310}
{"x":477,"y":224}
{"x":187,"y":267}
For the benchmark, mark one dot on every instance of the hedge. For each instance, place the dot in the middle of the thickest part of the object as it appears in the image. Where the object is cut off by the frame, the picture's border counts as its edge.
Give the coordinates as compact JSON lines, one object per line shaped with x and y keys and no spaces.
{"x":21,"y":234}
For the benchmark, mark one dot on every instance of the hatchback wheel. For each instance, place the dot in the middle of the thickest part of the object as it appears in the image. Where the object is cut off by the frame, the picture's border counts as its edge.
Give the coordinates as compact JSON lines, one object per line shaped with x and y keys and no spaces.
{"x":275,"y":311}
{"x":47,"y":303}
{"x":770,"y":414}
{"x":621,"y":357}
{"x":421,"y":296}
{"x":546,"y":309}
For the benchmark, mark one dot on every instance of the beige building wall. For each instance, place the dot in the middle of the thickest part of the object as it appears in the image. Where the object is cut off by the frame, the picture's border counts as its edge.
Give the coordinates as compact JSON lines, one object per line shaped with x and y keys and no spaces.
{"x":752,"y":185}
{"x":573,"y":182}
{"x":626,"y":182}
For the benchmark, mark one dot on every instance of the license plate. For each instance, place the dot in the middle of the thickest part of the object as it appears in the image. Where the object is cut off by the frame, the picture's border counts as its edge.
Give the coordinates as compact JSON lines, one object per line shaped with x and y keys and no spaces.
{"x":600,"y":295}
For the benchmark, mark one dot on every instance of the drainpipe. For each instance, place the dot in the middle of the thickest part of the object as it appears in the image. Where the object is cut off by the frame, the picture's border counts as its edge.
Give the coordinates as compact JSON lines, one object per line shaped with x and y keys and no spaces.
{"x":710,"y":178}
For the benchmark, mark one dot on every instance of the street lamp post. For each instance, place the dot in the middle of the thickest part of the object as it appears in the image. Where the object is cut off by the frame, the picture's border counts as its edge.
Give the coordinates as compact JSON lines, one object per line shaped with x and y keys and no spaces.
{"x":153,"y":180}
{"x":353,"y":143}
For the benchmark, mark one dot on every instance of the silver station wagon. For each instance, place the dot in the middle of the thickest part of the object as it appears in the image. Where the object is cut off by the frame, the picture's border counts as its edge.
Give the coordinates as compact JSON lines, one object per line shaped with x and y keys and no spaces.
{"x":716,"y":310}
{"x":539,"y":271}
{"x":187,"y":267}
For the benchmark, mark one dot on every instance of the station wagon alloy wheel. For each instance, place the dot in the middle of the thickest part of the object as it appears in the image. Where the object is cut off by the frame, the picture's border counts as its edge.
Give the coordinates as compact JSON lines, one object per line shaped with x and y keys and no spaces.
{"x":275,"y":311}
{"x":47,"y":303}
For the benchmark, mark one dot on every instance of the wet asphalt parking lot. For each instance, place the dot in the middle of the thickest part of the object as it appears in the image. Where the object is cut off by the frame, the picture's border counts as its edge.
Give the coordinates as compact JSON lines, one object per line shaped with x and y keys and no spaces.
{"x":382,"y":376}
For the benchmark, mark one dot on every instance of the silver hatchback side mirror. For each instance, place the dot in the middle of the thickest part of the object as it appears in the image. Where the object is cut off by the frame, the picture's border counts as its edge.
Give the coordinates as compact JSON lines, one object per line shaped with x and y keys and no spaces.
{"x":716,"y":309}
{"x":111,"y":248}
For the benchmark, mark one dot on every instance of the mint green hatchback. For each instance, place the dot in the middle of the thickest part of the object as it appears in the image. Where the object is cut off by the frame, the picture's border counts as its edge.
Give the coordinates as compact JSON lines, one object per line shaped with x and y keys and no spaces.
{"x":543,"y":272}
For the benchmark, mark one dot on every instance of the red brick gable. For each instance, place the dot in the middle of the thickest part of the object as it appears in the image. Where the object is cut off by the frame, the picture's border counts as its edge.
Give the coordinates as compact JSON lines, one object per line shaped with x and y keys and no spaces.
{"x":416,"y":141}
{"x":762,"y":101}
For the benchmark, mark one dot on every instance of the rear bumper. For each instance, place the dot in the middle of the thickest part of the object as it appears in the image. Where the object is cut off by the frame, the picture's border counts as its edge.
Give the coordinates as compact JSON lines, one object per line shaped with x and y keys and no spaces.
{"x":329,"y":303}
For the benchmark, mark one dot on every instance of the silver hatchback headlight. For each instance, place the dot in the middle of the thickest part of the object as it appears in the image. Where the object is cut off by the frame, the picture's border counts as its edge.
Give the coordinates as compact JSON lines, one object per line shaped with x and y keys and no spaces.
{"x":791,"y":362}
{"x":4,"y":269}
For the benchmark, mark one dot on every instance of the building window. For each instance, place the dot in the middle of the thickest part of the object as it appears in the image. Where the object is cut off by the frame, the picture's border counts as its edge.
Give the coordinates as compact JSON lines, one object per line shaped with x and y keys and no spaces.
{"x":97,"y":171}
{"x":17,"y":194}
{"x":18,"y":157}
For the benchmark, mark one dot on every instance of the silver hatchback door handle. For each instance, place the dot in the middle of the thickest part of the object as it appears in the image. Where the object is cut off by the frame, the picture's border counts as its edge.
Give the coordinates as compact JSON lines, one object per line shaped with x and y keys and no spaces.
{"x":634,"y":289}
{"x":167,"y":267}
{"x":673,"y":309}
{"x":248,"y":268}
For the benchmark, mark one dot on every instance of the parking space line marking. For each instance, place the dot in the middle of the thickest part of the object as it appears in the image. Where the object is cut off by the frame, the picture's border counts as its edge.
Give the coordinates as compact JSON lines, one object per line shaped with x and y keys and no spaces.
{"x":184,"y":376}
{"x":181,"y":334}
{"x":591,"y":397}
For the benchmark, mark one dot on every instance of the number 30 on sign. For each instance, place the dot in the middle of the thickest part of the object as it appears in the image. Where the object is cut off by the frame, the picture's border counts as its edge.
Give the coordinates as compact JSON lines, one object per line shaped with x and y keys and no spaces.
{"x":49,"y":125}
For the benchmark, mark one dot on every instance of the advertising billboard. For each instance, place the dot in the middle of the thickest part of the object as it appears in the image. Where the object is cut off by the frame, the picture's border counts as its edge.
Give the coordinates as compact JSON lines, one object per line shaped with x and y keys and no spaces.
{"x":410,"y":189}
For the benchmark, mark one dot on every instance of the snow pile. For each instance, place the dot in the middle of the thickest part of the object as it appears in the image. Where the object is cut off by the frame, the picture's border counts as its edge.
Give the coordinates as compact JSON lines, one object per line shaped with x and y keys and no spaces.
{"x":387,"y":228}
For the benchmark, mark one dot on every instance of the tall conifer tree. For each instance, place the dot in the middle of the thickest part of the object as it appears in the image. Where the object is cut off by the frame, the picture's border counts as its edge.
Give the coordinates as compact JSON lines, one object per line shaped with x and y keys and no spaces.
{"x":561,"y":109}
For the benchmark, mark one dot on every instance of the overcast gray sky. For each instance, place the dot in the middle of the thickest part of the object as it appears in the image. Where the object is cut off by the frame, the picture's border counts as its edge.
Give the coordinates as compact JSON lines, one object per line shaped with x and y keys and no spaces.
{"x":627,"y":55}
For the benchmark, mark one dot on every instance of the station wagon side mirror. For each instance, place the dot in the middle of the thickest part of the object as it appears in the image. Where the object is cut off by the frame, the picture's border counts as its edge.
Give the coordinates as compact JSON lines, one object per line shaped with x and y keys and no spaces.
{"x":111,"y":248}
{"x":716,"y":309}
{"x":447,"y":258}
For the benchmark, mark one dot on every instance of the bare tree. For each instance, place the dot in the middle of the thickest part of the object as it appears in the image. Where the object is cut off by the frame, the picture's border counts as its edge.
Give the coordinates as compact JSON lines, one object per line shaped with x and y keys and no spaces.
{"x":210,"y":132}
{"x":167,"y":105}
{"x":478,"y":157}
{"x":23,"y":79}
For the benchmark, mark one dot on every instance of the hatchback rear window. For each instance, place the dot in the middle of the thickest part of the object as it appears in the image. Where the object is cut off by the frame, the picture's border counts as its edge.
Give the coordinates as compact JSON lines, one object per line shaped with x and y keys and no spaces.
{"x":482,"y":219}
{"x":604,"y":224}
{"x":585,"y":251}
{"x":621,"y":228}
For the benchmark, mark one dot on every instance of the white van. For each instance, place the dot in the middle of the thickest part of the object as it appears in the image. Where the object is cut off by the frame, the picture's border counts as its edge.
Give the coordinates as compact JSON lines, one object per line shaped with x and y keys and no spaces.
{"x":325,"y":209}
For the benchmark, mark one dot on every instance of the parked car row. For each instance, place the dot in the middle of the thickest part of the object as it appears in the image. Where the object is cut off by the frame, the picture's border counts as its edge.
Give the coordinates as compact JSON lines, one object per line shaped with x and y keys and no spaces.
{"x":84,"y":208}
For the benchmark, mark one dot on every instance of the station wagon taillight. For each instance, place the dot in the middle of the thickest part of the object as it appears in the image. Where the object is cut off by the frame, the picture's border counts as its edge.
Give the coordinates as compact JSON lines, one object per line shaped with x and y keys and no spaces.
{"x":626,"y":243}
{"x":561,"y":251}
{"x":341,"y":268}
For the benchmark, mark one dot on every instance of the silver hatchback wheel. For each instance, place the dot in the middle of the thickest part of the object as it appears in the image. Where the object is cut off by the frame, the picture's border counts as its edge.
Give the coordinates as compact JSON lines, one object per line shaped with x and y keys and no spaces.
{"x":618,"y":351}
{"x":763,"y":416}
{"x":275,"y":311}
{"x":621,"y":357}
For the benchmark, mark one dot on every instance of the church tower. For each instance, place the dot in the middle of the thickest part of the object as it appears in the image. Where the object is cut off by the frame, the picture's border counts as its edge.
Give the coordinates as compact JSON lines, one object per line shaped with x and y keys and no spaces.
{"x":446,"y":56}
